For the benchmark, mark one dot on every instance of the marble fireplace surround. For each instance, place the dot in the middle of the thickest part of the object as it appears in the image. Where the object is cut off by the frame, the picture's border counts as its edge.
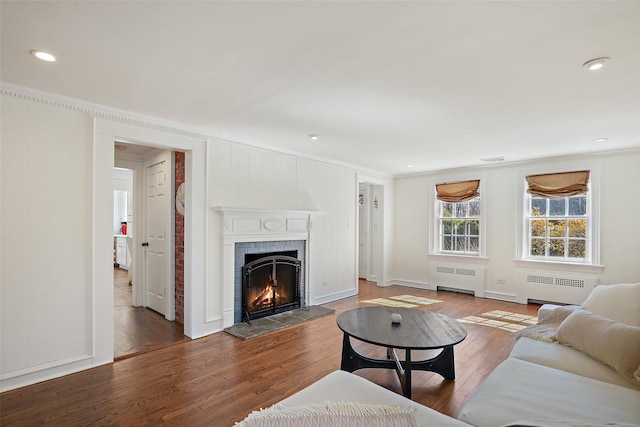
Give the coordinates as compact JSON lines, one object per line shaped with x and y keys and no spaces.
{"x":244,"y":225}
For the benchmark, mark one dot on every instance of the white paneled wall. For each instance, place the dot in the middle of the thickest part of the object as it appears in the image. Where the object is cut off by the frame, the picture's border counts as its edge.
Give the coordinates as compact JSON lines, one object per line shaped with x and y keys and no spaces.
{"x":247,"y":177}
{"x":618,"y":175}
{"x":46,"y":248}
{"x":56,"y":224}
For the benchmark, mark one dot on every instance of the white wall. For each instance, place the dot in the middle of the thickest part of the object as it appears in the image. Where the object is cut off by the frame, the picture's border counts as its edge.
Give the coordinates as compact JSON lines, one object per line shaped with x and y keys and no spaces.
{"x":56,"y":218}
{"x":247,"y":177}
{"x":46,"y":224}
{"x":617,"y":176}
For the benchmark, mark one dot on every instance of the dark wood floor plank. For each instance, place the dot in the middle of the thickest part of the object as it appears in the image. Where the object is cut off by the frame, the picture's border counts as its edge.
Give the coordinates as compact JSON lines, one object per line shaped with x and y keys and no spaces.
{"x":138,"y":329}
{"x":217,"y":380}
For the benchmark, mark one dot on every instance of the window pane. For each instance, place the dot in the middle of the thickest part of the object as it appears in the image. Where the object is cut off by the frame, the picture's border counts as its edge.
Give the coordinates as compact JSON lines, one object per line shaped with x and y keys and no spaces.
{"x":474,"y":228}
{"x":538,"y":227}
{"x":538,"y":207}
{"x":460,"y":243}
{"x":459,"y":227}
{"x":474,"y":244}
{"x":577,"y":227}
{"x":556,"y":247}
{"x":446,"y":243}
{"x":445,"y":211}
{"x":578,"y":205}
{"x":556,"y":207}
{"x":557,"y":227}
{"x":474,"y":208}
{"x":577,"y":248}
{"x":537,"y":247}
{"x":461,"y":210}
{"x":446,"y":226}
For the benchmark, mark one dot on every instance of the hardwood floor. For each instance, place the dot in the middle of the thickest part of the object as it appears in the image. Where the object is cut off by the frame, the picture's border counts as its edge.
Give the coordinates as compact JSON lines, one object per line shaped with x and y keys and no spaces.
{"x":138,"y":329}
{"x":217,"y":380}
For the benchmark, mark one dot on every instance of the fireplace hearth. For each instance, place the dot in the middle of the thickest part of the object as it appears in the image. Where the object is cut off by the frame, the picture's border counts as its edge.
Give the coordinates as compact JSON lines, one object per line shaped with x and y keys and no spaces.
{"x":270,"y":284}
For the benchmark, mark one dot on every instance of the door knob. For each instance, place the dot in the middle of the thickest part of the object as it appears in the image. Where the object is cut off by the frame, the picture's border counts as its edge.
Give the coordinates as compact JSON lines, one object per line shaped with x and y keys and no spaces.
{"x":145,"y":244}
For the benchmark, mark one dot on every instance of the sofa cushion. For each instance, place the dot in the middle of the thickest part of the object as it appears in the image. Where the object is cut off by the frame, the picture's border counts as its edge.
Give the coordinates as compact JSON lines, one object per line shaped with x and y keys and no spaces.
{"x":344,"y":386}
{"x":569,"y":423}
{"x":560,"y":356}
{"x":517,"y":390}
{"x":343,"y":414}
{"x":620,"y":302}
{"x":612,"y":343}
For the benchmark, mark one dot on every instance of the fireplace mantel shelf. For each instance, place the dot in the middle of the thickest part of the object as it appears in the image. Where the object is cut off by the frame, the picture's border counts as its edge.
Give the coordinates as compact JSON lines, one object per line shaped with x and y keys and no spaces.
{"x":258,"y":211}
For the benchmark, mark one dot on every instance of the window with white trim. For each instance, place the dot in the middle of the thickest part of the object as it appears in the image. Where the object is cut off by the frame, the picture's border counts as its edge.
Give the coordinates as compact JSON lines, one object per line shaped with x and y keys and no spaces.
{"x":558,"y":218}
{"x":459,"y":227}
{"x":558,"y":229}
{"x":457,"y":218}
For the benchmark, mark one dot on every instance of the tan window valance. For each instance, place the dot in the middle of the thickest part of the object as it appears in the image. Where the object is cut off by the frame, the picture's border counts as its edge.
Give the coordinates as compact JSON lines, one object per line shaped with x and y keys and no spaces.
{"x":457,"y":191}
{"x":556,"y":185}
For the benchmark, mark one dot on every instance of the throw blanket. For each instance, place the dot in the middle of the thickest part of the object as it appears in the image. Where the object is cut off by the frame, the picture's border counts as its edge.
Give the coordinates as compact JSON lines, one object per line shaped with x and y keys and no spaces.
{"x":545,"y":330}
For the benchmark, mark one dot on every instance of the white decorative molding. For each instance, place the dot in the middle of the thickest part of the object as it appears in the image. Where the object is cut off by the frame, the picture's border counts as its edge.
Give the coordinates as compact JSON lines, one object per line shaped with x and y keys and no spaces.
{"x":260,"y":225}
{"x":117,"y":115}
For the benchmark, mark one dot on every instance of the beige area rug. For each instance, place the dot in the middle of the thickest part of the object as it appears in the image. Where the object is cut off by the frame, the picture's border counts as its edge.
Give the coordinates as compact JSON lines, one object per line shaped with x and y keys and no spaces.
{"x":407,"y":301}
{"x":279,"y":321}
{"x":505,"y":320}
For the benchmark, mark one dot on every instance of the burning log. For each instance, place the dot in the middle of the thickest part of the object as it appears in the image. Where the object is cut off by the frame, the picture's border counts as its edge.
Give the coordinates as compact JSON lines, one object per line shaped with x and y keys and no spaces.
{"x":266,"y":297}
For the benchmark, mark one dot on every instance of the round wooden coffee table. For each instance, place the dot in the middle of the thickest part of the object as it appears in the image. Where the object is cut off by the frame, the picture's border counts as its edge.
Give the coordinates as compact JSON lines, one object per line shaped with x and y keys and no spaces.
{"x":418,"y":330}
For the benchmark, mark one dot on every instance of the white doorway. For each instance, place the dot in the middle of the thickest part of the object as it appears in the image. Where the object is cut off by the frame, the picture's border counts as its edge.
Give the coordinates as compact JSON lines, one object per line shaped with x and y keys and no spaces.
{"x":364,"y":231}
{"x":371,"y":216}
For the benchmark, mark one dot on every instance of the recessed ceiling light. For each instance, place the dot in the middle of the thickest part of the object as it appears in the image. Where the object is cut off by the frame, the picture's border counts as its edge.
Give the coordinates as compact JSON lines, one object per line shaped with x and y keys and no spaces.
{"x":313,"y":136}
{"x":408,"y":166}
{"x":595,"y":64}
{"x":600,"y":140}
{"x":45,"y":56}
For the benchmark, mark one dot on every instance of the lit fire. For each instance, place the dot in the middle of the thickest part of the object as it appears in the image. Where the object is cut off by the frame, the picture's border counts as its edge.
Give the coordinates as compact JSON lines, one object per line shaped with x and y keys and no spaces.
{"x":267,"y":295}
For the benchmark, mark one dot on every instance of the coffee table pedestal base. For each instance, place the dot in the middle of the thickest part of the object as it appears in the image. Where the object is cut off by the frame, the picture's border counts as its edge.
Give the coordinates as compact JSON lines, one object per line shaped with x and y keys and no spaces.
{"x":442,"y":364}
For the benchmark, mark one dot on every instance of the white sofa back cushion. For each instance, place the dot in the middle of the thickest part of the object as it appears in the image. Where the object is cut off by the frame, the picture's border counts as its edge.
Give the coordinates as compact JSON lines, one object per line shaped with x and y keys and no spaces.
{"x":620,"y":302}
{"x":612,"y":343}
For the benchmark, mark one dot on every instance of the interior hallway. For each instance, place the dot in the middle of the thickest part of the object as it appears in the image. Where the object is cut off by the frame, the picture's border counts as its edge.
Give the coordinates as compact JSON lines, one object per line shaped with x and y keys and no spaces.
{"x":138,"y":329}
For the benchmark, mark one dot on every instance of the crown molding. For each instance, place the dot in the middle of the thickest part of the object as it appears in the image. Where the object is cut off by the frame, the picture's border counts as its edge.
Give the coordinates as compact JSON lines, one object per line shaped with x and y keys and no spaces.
{"x":114,"y":114}
{"x":632,"y":151}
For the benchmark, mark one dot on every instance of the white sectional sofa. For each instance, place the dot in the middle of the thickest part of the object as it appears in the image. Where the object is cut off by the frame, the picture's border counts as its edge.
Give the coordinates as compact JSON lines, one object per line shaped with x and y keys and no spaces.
{"x":579,"y":366}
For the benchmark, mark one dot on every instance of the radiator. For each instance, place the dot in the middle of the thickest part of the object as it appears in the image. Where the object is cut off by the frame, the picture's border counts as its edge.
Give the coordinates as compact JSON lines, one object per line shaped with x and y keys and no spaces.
{"x":463,"y":278}
{"x":553,"y":287}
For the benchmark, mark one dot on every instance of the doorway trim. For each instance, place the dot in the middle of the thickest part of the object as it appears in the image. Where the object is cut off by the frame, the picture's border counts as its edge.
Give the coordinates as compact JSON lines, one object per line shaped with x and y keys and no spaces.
{"x":381,"y":233}
{"x":106,"y":133}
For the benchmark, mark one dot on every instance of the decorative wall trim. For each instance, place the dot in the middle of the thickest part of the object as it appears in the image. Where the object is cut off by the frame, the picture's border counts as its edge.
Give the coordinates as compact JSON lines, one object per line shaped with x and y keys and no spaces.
{"x":413,"y":284}
{"x":101,"y":111}
{"x":38,"y":368}
{"x":631,"y":151}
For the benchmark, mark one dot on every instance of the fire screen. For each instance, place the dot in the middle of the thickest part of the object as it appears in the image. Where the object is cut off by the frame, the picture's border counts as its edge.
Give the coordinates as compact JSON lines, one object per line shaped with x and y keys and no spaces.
{"x":270,"y":284}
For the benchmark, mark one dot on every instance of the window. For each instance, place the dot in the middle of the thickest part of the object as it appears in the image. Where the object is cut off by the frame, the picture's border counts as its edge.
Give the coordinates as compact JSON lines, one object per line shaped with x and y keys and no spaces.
{"x":458,"y":218}
{"x":558,"y":228}
{"x":459,"y":227}
{"x":558,"y":217}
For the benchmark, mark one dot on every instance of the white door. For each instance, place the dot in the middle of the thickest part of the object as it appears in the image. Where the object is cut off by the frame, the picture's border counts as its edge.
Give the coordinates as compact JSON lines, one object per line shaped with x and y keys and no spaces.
{"x":157,"y":244}
{"x":363,"y":231}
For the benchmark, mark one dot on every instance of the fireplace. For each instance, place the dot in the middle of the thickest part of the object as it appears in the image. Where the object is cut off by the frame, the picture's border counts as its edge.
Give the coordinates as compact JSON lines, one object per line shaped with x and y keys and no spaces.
{"x":260,"y":231}
{"x":270,"y":284}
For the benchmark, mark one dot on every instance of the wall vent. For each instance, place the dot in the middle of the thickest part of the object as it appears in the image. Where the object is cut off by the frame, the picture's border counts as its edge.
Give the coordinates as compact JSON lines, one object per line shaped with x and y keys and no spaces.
{"x":557,"y":281}
{"x":447,"y":270}
{"x":465,"y":271}
{"x":574,"y":283}
{"x":543,"y":280}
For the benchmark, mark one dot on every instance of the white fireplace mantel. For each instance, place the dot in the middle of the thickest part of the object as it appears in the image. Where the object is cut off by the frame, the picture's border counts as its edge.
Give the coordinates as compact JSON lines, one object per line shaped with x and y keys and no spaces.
{"x":260,"y":225}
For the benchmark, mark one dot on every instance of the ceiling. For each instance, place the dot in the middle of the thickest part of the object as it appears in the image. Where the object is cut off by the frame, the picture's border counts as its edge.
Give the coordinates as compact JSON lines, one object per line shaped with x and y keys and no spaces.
{"x":384,"y":84}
